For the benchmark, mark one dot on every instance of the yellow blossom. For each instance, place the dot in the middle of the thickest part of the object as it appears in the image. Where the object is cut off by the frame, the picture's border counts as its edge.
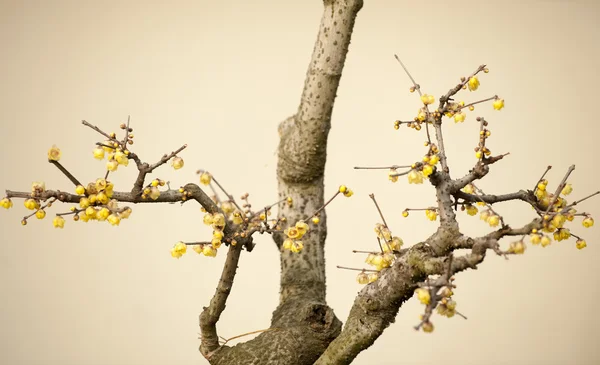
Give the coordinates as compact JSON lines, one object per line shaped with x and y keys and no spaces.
{"x":227,"y":207}
{"x":287,"y":243}
{"x":405,"y":213}
{"x":469,"y":189}
{"x":545,"y":241}
{"x":459,"y":117}
{"x":423,"y":295}
{"x":177,"y":163}
{"x":588,"y":222}
{"x":373,"y":277}
{"x":205,"y":178}
{"x":154,"y":193}
{"x":218,"y":221}
{"x":392,"y":175}
{"x":216,"y":243}
{"x":580,"y":244}
{"x":434,"y":159}
{"x":38,"y":187}
{"x":473,"y":83}
{"x":6,"y":203}
{"x":58,"y":222}
{"x":362,"y":278}
{"x":103,"y":214}
{"x":84,"y":202}
{"x":517,"y":247}
{"x":427,"y":99}
{"x":535,"y":238}
{"x":427,"y":327}
{"x":431,"y":214}
{"x":79,"y":190}
{"x":102,"y":197}
{"x":315,"y":220}
{"x":415,"y":177}
{"x":471,"y":209}
{"x":498,"y":104}
{"x":54,"y":153}
{"x":91,"y":212}
{"x":568,"y":189}
{"x":98,"y":153}
{"x":493,"y":220}
{"x":125,"y":214}
{"x":297,"y":246}
{"x":179,"y":249}
{"x":342,"y":189}
{"x":209,"y":251}
{"x":427,"y":170}
{"x":302,"y":227}
{"x":31,"y":204}
{"x":197,"y":248}
{"x":292,"y":232}
{"x":237,"y":217}
{"x":40,"y":214}
{"x":113,"y":219}
{"x":208,"y":219}
{"x":112,"y":165}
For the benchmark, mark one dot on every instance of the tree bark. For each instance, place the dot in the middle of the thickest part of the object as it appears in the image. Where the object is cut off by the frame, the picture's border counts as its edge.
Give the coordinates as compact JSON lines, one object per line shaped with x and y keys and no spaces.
{"x":303,"y":325}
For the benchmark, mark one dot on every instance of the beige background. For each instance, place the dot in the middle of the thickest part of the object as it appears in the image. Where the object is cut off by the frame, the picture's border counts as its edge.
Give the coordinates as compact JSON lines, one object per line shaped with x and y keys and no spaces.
{"x":220,"y":76}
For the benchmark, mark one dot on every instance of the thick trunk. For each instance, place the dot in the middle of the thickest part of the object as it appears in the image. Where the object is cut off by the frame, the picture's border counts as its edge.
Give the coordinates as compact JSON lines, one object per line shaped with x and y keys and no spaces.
{"x":303,"y":325}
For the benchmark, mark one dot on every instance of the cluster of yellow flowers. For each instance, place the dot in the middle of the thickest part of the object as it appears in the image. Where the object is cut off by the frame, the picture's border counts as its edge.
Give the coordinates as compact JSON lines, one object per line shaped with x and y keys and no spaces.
{"x":152,"y":191}
{"x":383,"y":259}
{"x":445,"y":306}
{"x":346,"y":191}
{"x":294,"y":234}
{"x":96,"y":204}
{"x":217,"y":221}
{"x":114,"y":154}
{"x":558,"y":215}
{"x":431,"y":214}
{"x":421,"y":170}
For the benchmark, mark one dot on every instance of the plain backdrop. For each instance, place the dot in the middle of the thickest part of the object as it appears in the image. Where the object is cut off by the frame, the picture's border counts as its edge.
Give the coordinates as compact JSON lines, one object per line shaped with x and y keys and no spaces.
{"x":220,"y":76}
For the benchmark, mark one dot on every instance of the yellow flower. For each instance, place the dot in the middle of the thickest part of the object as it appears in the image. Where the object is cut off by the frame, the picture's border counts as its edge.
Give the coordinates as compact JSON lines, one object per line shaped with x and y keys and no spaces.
{"x":154,"y":193}
{"x":498,"y":104}
{"x":542,"y":185}
{"x":421,"y":116}
{"x":287,"y":243}
{"x":493,"y":220}
{"x":580,"y":244}
{"x":427,"y":99}
{"x":54,"y":153}
{"x":6,"y":203}
{"x":113,"y":219}
{"x":535,"y":238}
{"x":405,"y":213}
{"x":469,"y":189}
{"x":227,"y":207}
{"x":209,"y":251}
{"x":120,"y":157}
{"x":125,"y":214}
{"x":218,"y":221}
{"x":237,"y":217}
{"x":427,"y":170}
{"x":431,"y":214}
{"x":373,"y":277}
{"x":109,"y":189}
{"x":58,"y":222}
{"x":302,"y":227}
{"x":459,"y":117}
{"x":208,"y":219}
{"x":315,"y":220}
{"x":177,"y":163}
{"x":434,"y":159}
{"x":112,"y":165}
{"x":103,"y":214}
{"x":178,"y":250}
{"x":427,"y":327}
{"x":362,"y":278}
{"x":471,"y":209}
{"x":415,"y":177}
{"x":40,"y":214}
{"x":517,"y":247}
{"x":31,"y":204}
{"x":91,"y":212}
{"x":545,"y":241}
{"x":484,"y":215}
{"x":391,"y":175}
{"x":292,"y":232}
{"x":478,"y":155}
{"x":473,"y":83}
{"x":588,"y":222}
{"x":205,"y":178}
{"x":197,"y":248}
{"x":84,"y":202}
{"x":174,"y":253}
{"x":98,"y":153}
{"x":383,"y":232}
{"x":568,"y":189}
{"x":348,"y":193}
{"x":79,"y":190}
{"x":342,"y":189}
{"x":102,"y":197}
{"x":297,"y":246}
{"x":423,"y":295}
{"x":38,"y":188}
{"x":394,"y":244}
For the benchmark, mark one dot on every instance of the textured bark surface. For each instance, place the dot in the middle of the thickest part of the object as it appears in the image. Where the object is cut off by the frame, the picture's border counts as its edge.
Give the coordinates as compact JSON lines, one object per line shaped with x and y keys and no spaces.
{"x":303,"y":325}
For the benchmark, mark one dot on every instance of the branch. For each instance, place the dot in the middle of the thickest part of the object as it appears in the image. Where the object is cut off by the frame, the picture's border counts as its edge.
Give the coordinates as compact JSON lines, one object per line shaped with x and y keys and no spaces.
{"x":211,"y":314}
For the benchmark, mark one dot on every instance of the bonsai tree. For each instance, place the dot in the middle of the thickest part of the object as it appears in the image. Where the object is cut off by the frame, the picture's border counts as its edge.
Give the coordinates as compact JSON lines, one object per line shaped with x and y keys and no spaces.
{"x":304,"y":329}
